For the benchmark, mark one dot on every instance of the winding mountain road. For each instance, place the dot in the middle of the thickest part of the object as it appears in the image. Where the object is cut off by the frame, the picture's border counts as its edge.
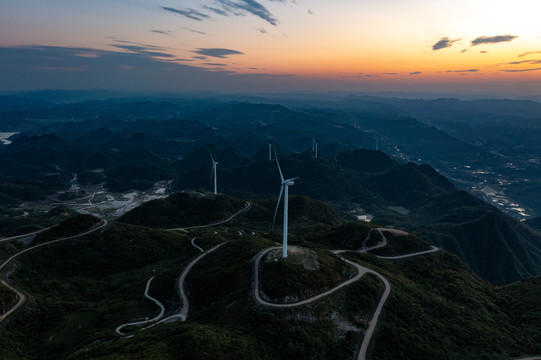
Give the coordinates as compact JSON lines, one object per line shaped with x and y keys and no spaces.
{"x":20,"y":295}
{"x":246,"y":207}
{"x":361,"y":271}
{"x":156,"y":318}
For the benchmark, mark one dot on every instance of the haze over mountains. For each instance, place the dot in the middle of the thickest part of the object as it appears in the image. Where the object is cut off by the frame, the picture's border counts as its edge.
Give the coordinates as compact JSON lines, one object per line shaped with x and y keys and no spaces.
{"x":460,"y":175}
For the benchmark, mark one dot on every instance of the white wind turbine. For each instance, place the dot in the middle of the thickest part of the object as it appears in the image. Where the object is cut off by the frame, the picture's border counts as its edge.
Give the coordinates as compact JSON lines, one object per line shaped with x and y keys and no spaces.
{"x":283,"y":190}
{"x":214,"y":174}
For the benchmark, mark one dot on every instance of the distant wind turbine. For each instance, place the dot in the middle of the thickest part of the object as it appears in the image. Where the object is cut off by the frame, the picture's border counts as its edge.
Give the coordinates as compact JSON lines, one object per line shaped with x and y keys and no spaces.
{"x":214,"y":174}
{"x":315,"y":149}
{"x":270,"y":154}
{"x":285,"y":184}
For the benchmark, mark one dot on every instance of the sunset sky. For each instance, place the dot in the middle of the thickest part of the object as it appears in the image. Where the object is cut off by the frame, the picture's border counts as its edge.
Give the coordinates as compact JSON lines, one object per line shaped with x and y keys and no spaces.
{"x":269,"y":45}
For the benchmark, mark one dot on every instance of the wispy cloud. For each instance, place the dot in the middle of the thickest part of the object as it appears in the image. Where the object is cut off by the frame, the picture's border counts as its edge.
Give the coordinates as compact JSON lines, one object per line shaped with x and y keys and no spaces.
{"x":232,"y":7}
{"x":529,"y":53}
{"x":216,"y":64}
{"x":163,"y":32}
{"x":524,"y":62}
{"x":415,"y":72}
{"x":189,"y":13}
{"x":216,"y":10}
{"x":443,"y":43}
{"x":390,"y":73}
{"x":520,"y":70}
{"x":261,"y":30}
{"x":195,"y":31}
{"x":492,"y":39}
{"x":150,"y":51}
{"x":217,"y":52}
{"x":466,"y":71}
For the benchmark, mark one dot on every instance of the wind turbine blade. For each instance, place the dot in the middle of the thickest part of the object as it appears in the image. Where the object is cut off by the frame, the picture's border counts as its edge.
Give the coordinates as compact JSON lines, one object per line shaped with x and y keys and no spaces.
{"x":279,"y":169}
{"x":211,"y":157}
{"x":277,"y":206}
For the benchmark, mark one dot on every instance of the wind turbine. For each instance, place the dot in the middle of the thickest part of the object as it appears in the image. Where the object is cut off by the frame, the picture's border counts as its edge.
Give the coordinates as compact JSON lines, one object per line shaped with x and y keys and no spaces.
{"x":270,"y":154}
{"x":315,"y":150}
{"x":214,"y":174}
{"x":283,"y":190}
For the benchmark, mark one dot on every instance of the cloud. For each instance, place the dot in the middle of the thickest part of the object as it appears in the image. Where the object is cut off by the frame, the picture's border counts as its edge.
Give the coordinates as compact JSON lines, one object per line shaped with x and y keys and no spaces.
{"x":161,"y":32}
{"x":143,"y":50}
{"x":443,"y":43}
{"x":189,"y":13}
{"x":200,"y":57}
{"x":483,"y":52}
{"x":195,"y":31}
{"x":310,"y":12}
{"x":216,"y":64}
{"x":261,"y":30}
{"x":492,"y":39}
{"x":390,"y":73}
{"x":250,"y":6}
{"x":415,"y":73}
{"x":216,"y":10}
{"x":466,"y":71}
{"x":520,"y":70}
{"x":524,"y":62}
{"x":217,"y":52}
{"x":529,"y":53}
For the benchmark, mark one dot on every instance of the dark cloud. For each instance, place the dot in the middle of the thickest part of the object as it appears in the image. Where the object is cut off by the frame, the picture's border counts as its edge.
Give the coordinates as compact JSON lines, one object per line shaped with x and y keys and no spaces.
{"x":466,"y":71}
{"x":521,"y":70}
{"x":189,"y":13}
{"x":261,"y":30}
{"x":161,"y":32}
{"x":492,"y":39}
{"x":415,"y":73}
{"x":443,"y":43}
{"x":195,"y":31}
{"x":216,"y":64}
{"x":529,"y":53}
{"x":217,"y":52}
{"x":250,"y":6}
{"x":200,"y":57}
{"x":483,"y":52}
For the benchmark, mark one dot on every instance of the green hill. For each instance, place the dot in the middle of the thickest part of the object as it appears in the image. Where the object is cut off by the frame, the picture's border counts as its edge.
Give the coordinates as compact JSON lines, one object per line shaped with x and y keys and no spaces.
{"x":82,"y":290}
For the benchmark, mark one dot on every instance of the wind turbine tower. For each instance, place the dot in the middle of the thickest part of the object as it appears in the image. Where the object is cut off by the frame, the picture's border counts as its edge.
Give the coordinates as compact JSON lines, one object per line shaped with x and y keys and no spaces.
{"x":214,"y":174}
{"x":285,"y":184}
{"x":270,"y":154}
{"x":315,"y":150}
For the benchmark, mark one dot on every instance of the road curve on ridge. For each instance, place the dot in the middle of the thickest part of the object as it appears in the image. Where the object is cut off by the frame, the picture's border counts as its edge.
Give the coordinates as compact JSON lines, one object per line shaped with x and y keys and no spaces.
{"x":246,"y":207}
{"x":21,"y":296}
{"x":24,"y":235}
{"x":360,"y":272}
{"x":156,"y":318}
